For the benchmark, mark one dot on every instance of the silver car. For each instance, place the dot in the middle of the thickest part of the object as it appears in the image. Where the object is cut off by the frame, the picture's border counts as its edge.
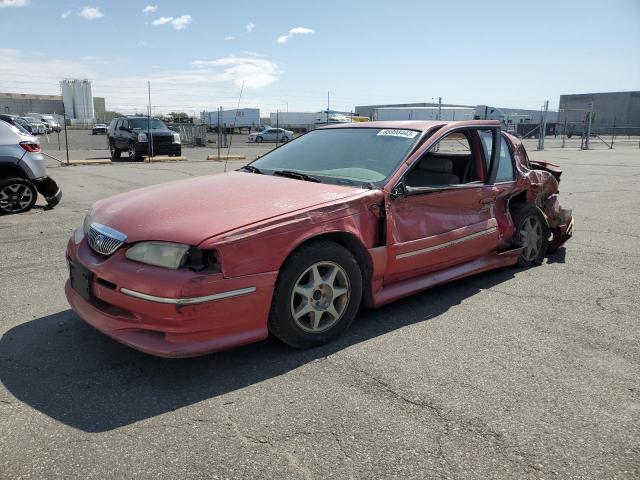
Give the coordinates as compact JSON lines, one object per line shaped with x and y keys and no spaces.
{"x":23,"y":172}
{"x":37,"y":128}
{"x":271,"y":135}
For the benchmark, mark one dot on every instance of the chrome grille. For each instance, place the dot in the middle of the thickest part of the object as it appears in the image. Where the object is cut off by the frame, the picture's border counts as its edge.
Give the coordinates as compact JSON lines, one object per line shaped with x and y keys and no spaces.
{"x":105,"y":240}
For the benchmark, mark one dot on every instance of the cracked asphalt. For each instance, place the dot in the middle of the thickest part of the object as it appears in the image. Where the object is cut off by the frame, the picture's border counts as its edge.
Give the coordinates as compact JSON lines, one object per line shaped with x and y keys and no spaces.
{"x":515,"y":373}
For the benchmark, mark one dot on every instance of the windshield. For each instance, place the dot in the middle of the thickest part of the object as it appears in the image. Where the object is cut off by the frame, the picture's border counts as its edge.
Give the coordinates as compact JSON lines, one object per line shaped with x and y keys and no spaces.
{"x":30,"y":119}
{"x":343,"y":155}
{"x":143,"y":123}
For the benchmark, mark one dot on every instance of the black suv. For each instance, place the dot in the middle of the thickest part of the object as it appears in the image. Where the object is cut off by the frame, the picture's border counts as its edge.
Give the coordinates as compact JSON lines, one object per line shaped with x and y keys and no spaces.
{"x":131,"y":135}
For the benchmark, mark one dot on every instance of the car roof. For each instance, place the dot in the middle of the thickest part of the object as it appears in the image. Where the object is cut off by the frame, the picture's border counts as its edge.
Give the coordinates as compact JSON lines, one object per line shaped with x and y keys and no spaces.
{"x":422,"y":125}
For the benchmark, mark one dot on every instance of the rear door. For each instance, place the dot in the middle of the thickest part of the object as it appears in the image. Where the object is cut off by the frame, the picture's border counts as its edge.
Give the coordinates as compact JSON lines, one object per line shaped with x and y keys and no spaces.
{"x":447,"y":216}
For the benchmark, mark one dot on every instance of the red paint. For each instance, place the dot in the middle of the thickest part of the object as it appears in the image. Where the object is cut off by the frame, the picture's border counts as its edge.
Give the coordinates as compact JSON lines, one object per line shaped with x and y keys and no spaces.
{"x":254,"y":222}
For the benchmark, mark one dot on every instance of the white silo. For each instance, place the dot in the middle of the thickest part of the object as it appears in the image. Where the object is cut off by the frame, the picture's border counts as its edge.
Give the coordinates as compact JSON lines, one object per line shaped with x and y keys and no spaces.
{"x":78,"y":99}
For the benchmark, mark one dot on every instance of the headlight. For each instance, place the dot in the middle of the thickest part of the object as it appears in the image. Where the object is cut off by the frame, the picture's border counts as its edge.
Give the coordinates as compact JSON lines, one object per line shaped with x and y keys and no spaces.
{"x":86,"y":223}
{"x":160,"y":254}
{"x":176,"y":138}
{"x":142,"y":137}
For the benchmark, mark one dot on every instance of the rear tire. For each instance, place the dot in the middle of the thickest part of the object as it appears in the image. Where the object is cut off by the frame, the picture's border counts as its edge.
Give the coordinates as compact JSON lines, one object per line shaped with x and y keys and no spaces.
{"x":317,"y":295}
{"x":532,"y":233}
{"x":114,"y":151}
{"x":17,"y":195}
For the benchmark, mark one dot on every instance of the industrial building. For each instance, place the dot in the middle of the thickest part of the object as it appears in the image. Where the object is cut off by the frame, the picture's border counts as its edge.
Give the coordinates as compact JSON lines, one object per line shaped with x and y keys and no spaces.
{"x":621,"y":109}
{"x":76,"y":101}
{"x":508,"y":115}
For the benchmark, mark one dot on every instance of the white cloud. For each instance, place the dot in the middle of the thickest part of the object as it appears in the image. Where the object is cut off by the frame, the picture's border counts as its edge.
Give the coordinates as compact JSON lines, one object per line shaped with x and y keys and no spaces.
{"x":66,"y":14}
{"x":150,"y":9}
{"x":14,"y":3}
{"x":294,"y":31}
{"x":178,"y":23}
{"x":253,"y":72}
{"x":90,"y":13}
{"x":250,"y":26}
{"x":229,"y":37}
{"x":143,"y":43}
{"x":254,"y":54}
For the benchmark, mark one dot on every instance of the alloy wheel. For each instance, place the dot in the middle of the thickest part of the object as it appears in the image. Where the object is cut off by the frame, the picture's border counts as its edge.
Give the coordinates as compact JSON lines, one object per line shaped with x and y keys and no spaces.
{"x":531,"y":238}
{"x":15,"y":197}
{"x":320,"y":297}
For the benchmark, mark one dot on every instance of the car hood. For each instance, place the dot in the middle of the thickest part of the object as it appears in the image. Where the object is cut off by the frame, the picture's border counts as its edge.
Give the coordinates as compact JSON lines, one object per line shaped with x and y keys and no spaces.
{"x":190,"y":211}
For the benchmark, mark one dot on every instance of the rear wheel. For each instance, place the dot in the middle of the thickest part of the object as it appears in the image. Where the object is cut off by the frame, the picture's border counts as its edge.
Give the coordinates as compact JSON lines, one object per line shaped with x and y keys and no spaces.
{"x":17,"y":195}
{"x":317,"y":295}
{"x":532,"y":233}
{"x":113,"y":151}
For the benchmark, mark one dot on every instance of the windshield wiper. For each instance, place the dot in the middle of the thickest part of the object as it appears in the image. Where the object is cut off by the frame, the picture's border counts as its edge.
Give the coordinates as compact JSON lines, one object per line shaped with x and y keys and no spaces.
{"x":298,"y":175}
{"x":251,"y":168}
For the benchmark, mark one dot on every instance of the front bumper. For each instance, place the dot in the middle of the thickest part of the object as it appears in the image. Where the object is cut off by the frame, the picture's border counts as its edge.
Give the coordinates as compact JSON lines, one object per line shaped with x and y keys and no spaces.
{"x":169,"y":329}
{"x":49,"y":189}
{"x":159,"y":149}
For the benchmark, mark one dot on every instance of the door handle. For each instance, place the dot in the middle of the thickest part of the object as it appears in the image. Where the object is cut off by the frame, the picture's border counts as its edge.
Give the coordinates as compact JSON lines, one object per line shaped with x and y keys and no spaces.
{"x":487,"y":200}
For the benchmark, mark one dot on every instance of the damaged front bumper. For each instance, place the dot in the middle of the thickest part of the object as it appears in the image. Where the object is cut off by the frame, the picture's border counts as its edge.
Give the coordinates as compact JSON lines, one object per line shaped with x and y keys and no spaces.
{"x":560,"y":222}
{"x":48,"y":188}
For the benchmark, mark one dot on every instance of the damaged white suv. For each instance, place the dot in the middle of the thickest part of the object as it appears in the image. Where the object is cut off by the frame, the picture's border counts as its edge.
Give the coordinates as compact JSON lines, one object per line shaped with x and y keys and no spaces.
{"x":23,"y":172}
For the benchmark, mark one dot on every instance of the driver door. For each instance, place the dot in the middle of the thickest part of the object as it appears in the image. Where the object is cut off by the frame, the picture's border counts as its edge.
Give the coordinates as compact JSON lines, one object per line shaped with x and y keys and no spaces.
{"x":446,"y":213}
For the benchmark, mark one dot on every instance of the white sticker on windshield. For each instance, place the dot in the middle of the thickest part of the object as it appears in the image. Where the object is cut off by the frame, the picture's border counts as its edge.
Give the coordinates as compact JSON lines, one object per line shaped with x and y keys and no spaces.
{"x":393,"y":132}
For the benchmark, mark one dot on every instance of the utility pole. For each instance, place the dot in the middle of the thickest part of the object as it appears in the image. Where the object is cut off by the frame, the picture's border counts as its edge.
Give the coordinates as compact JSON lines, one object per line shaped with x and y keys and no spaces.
{"x":66,"y":139}
{"x":277,"y":126}
{"x":218,"y":129}
{"x":328,"y":106}
{"x":150,"y":135}
{"x":439,"y":108}
{"x":564,"y":131}
{"x":543,"y":126}
{"x":589,"y":119}
{"x":613,"y":132}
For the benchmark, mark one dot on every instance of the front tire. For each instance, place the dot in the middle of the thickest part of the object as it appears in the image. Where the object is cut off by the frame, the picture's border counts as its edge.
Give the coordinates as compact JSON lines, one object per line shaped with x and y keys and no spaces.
{"x":532,"y":233}
{"x":317,"y":295}
{"x":258,"y":139}
{"x":133,"y":155}
{"x":17,"y":195}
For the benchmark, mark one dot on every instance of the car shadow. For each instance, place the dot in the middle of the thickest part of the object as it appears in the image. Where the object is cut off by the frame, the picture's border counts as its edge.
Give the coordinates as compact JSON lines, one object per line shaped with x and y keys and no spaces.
{"x":559,"y":256}
{"x":65,"y":369}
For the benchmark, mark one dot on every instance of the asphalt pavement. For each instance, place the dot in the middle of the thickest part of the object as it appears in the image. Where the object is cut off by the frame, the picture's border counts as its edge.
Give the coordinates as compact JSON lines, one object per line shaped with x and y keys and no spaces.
{"x":515,"y":373}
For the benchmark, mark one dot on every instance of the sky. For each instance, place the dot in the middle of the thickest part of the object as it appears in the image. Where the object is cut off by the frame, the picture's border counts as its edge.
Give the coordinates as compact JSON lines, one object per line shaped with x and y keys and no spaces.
{"x":198,"y":54}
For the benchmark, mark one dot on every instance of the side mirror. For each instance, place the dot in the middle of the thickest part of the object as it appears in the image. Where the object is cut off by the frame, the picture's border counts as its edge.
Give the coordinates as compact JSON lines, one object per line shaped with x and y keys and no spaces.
{"x":123,"y":128}
{"x":172,"y":128}
{"x":398,"y":191}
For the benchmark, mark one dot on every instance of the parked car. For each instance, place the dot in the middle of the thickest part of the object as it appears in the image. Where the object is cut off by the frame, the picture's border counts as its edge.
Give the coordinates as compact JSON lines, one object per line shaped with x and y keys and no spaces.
{"x":131,"y":135}
{"x":271,"y":135}
{"x":37,"y":128}
{"x":13,"y":120}
{"x":99,"y":128}
{"x":293,"y":243}
{"x":28,"y":126}
{"x":23,"y":172}
{"x":51,"y":121}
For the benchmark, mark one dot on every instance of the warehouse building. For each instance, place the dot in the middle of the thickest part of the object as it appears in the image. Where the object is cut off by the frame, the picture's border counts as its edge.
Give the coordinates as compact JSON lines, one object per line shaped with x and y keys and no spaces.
{"x":609,"y":108}
{"x":23,"y":103}
{"x":506,"y":114}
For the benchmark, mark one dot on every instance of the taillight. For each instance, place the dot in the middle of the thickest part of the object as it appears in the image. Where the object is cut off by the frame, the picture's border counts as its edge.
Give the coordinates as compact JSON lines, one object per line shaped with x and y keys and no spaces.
{"x":30,"y":147}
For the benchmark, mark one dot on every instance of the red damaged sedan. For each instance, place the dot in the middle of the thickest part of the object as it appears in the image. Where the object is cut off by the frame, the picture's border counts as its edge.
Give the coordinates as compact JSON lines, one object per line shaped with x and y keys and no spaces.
{"x":293,"y":243}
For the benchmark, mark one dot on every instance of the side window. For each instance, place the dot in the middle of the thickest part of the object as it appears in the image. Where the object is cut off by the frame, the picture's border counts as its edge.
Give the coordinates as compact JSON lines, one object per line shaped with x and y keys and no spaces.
{"x":486,"y":136}
{"x":505,"y":165}
{"x":447,"y":162}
